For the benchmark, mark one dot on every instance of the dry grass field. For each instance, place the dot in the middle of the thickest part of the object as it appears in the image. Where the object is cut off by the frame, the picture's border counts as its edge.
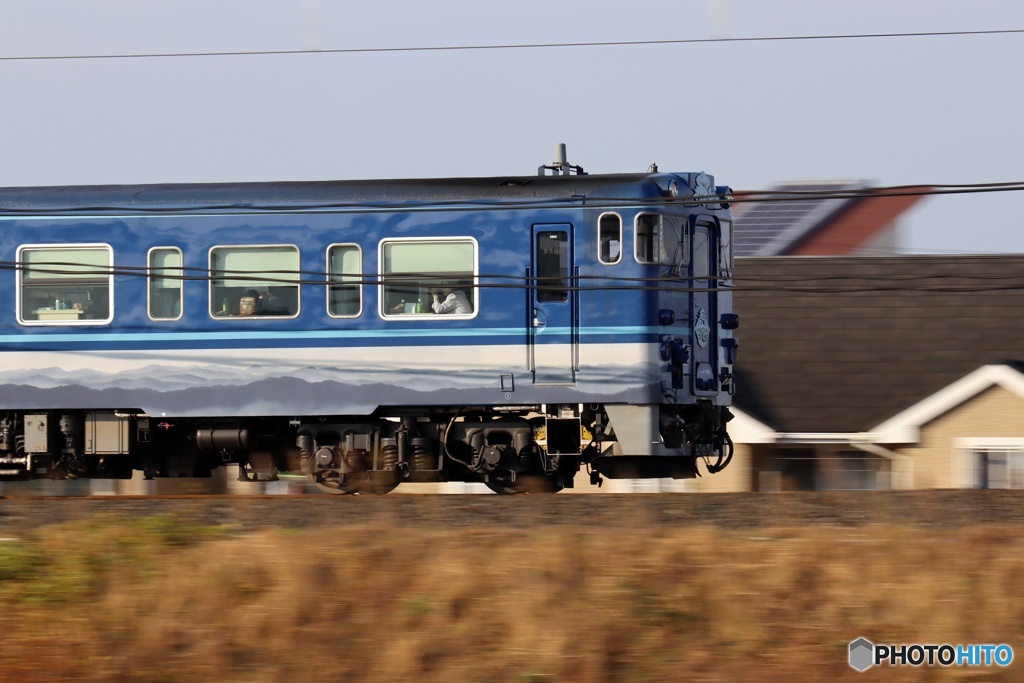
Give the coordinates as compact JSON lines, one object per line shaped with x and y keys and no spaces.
{"x":155,"y":599}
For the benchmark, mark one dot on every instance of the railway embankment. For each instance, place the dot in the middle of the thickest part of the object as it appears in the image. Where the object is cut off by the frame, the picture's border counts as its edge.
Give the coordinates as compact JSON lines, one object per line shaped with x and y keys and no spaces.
{"x":590,"y":589}
{"x":941,"y":509}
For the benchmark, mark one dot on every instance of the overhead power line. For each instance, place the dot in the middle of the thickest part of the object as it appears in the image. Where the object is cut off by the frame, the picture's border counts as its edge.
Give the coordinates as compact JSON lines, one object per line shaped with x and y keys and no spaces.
{"x":14,"y":206}
{"x":780,"y":281}
{"x":890,"y":191}
{"x":511,"y":46}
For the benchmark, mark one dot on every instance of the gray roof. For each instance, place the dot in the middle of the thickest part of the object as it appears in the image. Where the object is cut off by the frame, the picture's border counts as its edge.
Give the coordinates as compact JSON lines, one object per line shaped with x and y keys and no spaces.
{"x":771,"y":228}
{"x":840,"y":344}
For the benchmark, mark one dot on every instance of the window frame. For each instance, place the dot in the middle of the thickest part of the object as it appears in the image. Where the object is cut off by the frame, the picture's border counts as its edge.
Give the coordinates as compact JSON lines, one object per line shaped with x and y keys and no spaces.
{"x":656,"y":245}
{"x":600,"y":239}
{"x":149,"y":284}
{"x":382,"y":311}
{"x":726,"y":252}
{"x":329,"y":272}
{"x":20,"y":283}
{"x":212,"y":278}
{"x":965,"y":461}
{"x":705,"y":229}
{"x":553,"y":289}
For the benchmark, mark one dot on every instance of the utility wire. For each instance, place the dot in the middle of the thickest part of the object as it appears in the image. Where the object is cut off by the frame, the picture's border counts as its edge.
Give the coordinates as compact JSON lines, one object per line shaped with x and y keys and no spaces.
{"x":512,"y":46}
{"x":18,"y":203}
{"x":783,"y":281}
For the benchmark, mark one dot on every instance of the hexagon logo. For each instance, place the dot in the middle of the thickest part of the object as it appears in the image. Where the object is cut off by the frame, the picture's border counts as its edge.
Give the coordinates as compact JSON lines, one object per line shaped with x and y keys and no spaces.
{"x":862,"y":654}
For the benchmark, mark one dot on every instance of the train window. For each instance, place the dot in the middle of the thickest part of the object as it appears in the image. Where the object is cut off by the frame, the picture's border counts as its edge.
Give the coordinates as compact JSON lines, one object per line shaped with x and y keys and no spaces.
{"x":254,"y":281}
{"x":552,"y":266}
{"x":418,"y":272}
{"x":701,"y":266}
{"x":65,"y":284}
{"x":344,"y":278}
{"x":609,"y":238}
{"x":165,"y":283}
{"x":725,"y":257}
{"x":648,"y":238}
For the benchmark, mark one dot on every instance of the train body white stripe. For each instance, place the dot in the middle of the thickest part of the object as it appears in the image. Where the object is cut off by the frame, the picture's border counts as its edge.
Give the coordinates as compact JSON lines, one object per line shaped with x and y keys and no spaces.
{"x":283,"y":381}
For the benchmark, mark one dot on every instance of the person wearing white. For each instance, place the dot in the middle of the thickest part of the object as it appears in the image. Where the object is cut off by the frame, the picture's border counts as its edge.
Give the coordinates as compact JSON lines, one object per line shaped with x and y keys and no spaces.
{"x":455,"y":301}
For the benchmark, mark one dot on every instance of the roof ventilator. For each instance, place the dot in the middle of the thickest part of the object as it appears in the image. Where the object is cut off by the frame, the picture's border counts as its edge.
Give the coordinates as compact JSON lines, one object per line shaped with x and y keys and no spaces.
{"x":560,"y":166}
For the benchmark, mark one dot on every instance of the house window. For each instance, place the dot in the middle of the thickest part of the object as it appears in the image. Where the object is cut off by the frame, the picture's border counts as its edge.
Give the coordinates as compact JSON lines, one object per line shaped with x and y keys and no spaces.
{"x":998,"y":468}
{"x":989,"y":463}
{"x":414,"y":270}
{"x":858,"y":471}
{"x":254,"y":281}
{"x":165,"y":283}
{"x":609,"y":236}
{"x":648,"y":238}
{"x":344,"y":276}
{"x":65,"y":285}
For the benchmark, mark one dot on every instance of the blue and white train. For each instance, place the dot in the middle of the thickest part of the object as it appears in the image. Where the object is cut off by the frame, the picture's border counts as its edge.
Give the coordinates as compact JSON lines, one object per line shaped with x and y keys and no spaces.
{"x":172,"y":329}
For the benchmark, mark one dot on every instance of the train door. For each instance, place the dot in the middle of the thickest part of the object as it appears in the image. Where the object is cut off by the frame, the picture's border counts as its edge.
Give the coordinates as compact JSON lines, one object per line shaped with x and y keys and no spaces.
{"x":553,"y":325}
{"x":704,"y":262}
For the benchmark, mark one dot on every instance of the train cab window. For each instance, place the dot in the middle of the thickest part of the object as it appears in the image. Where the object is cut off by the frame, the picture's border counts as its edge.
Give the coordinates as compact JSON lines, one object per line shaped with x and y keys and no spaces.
{"x":65,"y":285}
{"x":165,"y":283}
{"x":648,"y":238}
{"x":254,"y":281}
{"x":725,"y":253}
{"x":415,"y":273}
{"x":344,"y":281}
{"x":609,"y":236}
{"x":701,"y":265}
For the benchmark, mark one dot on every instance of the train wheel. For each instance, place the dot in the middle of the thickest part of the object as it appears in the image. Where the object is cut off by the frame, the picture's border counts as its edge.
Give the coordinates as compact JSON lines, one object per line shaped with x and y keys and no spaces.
{"x":526,"y":484}
{"x":331,"y":484}
{"x":377,"y":487}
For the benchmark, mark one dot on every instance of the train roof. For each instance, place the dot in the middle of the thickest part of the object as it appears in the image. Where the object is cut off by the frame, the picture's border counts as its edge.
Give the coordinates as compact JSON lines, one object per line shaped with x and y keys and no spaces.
{"x":326,"y":194}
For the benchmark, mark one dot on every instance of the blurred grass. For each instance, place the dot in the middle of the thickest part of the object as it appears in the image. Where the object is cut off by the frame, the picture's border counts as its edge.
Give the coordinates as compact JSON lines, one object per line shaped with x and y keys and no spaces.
{"x":154,"y":599}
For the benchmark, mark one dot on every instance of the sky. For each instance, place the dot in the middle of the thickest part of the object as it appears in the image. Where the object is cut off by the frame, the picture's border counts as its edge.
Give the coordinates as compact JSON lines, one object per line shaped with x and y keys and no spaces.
{"x":892,"y":111}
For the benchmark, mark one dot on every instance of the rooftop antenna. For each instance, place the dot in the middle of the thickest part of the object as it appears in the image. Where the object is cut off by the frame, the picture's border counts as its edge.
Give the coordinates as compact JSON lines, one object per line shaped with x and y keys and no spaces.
{"x":560,"y":166}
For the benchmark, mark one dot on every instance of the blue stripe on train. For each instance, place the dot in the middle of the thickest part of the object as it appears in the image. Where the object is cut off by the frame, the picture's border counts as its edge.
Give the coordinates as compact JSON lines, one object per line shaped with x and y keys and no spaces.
{"x":314,"y":338}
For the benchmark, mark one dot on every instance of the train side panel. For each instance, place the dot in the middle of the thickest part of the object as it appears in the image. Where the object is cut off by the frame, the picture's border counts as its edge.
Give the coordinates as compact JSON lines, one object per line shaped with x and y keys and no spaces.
{"x":596,"y":329}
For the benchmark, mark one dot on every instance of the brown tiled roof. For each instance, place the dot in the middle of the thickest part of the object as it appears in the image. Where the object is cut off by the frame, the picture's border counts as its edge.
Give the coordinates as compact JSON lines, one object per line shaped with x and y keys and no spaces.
{"x":855,"y":340}
{"x":857,"y":224}
{"x":844,"y":222}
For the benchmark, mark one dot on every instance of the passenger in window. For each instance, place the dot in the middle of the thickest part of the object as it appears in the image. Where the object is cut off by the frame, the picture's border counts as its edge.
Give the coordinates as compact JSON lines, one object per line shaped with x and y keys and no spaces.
{"x":455,"y":300}
{"x":249,"y":304}
{"x":268,"y":304}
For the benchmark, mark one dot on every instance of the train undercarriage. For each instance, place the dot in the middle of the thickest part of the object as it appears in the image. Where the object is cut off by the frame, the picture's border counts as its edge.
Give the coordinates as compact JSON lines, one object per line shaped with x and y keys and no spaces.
{"x":510,"y":450}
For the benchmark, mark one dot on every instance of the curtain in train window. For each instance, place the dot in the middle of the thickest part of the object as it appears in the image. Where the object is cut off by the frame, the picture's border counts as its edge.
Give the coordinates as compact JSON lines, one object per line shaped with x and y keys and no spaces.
{"x":165,"y":283}
{"x":254,"y":281}
{"x":65,"y":285}
{"x":414,"y":270}
{"x":344,"y":275}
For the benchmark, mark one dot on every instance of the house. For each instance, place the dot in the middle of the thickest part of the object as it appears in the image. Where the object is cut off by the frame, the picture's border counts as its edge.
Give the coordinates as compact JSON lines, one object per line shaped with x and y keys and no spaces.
{"x":878,"y":373}
{"x":821,"y":217}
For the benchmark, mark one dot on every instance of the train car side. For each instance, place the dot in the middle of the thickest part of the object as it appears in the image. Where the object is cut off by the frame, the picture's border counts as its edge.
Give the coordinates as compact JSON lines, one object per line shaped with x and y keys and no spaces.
{"x":287,"y":335}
